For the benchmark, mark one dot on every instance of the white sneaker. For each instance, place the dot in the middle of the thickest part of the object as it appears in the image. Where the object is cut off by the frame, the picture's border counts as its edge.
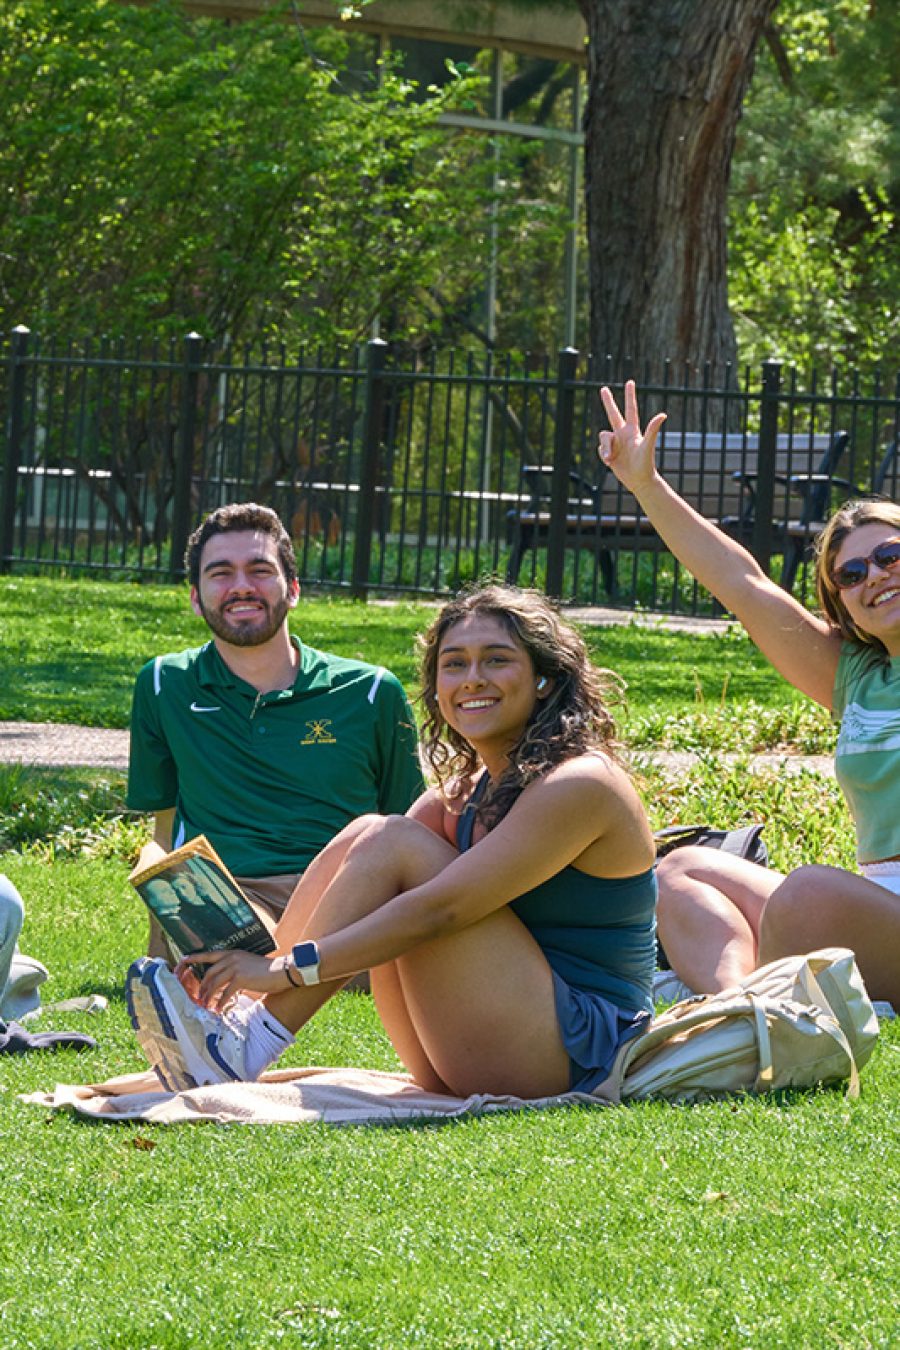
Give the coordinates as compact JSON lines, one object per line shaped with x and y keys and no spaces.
{"x":20,"y":996}
{"x":187,"y":1045}
{"x":668,"y":988}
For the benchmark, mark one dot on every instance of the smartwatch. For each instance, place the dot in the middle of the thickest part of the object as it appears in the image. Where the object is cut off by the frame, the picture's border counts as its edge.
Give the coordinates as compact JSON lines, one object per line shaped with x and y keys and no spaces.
{"x":305,"y":960}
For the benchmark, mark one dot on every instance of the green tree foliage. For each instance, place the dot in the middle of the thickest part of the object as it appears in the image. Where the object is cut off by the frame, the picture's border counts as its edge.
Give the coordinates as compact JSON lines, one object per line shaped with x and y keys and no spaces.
{"x":527,"y":248}
{"x":160,"y":173}
{"x":815,"y":204}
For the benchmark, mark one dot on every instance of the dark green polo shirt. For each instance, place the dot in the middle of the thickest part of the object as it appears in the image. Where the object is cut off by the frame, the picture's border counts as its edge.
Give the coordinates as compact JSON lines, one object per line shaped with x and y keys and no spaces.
{"x":271,"y":778}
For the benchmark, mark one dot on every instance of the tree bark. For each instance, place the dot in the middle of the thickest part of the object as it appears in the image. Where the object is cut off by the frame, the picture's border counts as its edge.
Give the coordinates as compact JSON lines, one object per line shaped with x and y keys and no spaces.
{"x":666,"y":80}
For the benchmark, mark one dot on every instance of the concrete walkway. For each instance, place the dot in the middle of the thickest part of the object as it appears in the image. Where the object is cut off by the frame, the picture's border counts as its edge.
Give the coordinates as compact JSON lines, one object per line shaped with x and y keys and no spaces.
{"x":54,"y":743}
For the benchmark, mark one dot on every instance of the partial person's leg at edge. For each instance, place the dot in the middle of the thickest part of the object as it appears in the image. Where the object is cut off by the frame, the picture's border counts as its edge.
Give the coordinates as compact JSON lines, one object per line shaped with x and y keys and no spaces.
{"x":708,"y":916}
{"x":819,"y":906}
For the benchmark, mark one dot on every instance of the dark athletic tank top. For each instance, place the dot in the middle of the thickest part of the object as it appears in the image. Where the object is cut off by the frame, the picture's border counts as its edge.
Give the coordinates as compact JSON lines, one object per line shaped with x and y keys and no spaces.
{"x":597,"y":933}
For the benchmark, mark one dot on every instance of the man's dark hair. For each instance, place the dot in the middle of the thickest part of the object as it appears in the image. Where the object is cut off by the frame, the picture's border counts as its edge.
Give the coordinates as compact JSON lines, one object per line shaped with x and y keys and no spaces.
{"x":240,"y":516}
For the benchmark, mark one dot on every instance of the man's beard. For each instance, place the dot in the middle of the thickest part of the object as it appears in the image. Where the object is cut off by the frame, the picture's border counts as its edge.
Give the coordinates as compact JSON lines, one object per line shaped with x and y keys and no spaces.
{"x":247,"y":633}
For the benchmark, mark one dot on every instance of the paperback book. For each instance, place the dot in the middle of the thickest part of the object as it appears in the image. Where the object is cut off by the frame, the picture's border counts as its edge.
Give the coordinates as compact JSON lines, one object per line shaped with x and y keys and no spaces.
{"x":197,"y":902}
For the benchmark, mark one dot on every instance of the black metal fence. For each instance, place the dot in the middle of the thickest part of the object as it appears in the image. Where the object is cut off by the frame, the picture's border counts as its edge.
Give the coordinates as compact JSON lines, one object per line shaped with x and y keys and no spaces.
{"x":416,"y":475}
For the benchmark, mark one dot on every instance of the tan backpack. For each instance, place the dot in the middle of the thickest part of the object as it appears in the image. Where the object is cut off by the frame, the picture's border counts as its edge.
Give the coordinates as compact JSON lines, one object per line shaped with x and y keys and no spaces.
{"x":797,"y":1022}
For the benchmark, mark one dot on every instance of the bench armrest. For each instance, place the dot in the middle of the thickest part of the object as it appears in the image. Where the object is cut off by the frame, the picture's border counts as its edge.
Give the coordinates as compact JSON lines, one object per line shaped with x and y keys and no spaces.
{"x":815,"y":490}
{"x":747,"y":477}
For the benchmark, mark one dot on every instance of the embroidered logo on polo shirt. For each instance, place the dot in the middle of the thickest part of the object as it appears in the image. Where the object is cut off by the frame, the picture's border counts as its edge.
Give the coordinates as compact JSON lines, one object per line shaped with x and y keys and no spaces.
{"x":196,"y":707}
{"x":317,"y":733}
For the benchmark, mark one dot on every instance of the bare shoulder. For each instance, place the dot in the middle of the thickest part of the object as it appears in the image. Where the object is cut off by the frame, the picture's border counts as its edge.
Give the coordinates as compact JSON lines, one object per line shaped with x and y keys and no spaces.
{"x":592,"y":782}
{"x":595,"y":772}
{"x":594,"y":788}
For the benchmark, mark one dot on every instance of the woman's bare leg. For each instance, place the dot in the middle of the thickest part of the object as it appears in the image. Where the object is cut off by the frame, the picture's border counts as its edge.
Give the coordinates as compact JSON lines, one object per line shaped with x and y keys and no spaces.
{"x":472,"y":1011}
{"x":316,"y":880}
{"x":368,"y":864}
{"x":390,"y":1003}
{"x":483,"y":1006}
{"x":710,"y":907}
{"x":819,"y":906}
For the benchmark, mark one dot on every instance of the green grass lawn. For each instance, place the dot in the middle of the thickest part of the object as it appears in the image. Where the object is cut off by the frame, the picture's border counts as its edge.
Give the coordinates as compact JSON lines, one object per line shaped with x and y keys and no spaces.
{"x":763,"y":1223}
{"x":69,"y":652}
{"x":760,"y":1223}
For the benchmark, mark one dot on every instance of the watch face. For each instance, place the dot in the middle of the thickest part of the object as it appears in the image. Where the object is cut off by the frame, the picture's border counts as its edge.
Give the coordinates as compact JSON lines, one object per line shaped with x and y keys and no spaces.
{"x":305,"y":954}
{"x":305,"y":958}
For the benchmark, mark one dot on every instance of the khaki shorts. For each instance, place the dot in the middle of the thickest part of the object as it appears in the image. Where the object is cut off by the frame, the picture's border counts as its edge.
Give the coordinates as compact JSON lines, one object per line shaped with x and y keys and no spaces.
{"x":269,"y":894}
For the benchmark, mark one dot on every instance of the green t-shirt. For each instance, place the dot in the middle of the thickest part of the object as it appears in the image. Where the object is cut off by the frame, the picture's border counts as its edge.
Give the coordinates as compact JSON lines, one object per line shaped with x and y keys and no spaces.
{"x":867,"y":759}
{"x":270,"y":778}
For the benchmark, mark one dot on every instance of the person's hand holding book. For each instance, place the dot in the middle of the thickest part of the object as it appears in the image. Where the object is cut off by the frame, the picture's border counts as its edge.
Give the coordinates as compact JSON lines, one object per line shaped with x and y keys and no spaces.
{"x":227,"y":974}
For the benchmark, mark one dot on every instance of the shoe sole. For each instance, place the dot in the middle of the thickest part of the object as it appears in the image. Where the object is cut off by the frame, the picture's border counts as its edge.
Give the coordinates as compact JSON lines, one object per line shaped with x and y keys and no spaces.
{"x":154,"y":1028}
{"x":157,"y":1022}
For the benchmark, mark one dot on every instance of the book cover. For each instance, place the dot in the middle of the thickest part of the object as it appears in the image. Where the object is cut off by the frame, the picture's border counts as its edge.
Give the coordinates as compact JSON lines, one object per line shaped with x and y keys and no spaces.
{"x":196,"y":901}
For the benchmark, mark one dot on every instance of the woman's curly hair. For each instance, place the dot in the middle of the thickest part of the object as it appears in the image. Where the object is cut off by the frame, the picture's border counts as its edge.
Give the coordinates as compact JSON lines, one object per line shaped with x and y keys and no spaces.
{"x":847,"y":518}
{"x":575,"y":716}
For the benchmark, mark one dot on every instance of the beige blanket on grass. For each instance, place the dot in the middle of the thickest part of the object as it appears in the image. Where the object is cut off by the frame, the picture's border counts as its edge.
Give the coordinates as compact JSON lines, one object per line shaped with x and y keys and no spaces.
{"x":287,"y":1097}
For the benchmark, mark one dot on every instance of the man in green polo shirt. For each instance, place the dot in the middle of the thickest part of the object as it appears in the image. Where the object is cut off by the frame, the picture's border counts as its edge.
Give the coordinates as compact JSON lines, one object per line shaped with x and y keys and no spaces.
{"x":262,"y":743}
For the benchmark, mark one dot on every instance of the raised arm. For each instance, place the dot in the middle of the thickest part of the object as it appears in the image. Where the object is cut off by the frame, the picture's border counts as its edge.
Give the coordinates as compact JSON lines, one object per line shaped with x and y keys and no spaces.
{"x":803,"y":648}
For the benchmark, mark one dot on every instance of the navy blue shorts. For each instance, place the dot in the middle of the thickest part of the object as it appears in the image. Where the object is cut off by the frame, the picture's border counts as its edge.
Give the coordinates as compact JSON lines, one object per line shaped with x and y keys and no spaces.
{"x":593,"y":1029}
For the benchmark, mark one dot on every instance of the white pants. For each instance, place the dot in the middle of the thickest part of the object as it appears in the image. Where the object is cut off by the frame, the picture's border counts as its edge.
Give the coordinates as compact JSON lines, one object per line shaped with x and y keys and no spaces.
{"x":886,"y":874}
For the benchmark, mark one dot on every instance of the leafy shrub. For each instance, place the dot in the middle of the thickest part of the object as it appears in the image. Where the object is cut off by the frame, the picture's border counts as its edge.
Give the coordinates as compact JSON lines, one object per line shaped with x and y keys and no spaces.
{"x":67,"y":814}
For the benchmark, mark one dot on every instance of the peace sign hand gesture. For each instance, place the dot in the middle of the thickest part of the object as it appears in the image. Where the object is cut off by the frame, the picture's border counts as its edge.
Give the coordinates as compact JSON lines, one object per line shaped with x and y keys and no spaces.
{"x":626,"y":450}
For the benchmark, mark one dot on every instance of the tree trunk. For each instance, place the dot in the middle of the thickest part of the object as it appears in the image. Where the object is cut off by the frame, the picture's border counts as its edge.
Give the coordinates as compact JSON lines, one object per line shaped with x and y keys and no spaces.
{"x":666,"y":80}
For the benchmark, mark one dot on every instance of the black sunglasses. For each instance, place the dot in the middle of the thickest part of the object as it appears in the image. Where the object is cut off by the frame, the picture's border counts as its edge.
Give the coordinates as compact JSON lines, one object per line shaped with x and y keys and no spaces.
{"x":856,"y":570}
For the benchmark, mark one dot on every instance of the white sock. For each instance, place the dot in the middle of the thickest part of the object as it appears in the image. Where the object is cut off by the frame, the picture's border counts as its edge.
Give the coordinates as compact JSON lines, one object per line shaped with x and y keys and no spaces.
{"x":266,"y":1039}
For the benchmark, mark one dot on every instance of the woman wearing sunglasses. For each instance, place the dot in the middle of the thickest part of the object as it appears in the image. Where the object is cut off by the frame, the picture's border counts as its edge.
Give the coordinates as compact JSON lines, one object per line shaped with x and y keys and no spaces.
{"x":720,"y":917}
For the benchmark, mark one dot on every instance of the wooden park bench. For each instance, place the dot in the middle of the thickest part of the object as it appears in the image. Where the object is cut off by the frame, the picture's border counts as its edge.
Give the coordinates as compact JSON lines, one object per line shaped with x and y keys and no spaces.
{"x":715,"y":473}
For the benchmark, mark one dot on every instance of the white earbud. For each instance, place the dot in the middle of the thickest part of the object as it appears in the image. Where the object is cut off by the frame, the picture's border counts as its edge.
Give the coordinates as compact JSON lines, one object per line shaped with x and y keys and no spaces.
{"x":542,"y":683}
